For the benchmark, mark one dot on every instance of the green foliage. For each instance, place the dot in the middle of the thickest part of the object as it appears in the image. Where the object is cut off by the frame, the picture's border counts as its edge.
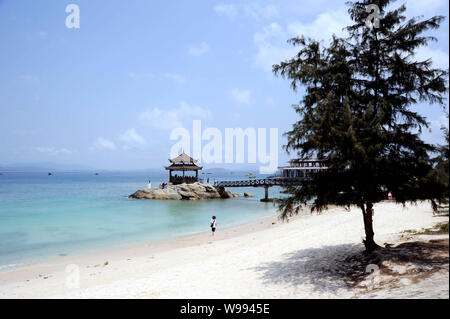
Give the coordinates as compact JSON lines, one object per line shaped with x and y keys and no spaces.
{"x":441,"y":169}
{"x":440,"y":228}
{"x":356,"y":112}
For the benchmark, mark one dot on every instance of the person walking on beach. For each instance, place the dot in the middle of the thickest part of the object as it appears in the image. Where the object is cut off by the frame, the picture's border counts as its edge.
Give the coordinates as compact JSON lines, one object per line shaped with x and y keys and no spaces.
{"x":213,"y":225}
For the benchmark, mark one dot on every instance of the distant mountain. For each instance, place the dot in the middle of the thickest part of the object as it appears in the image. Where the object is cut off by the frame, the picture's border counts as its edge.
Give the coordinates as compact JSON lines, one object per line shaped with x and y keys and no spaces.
{"x":42,"y":167}
{"x":55,"y":167}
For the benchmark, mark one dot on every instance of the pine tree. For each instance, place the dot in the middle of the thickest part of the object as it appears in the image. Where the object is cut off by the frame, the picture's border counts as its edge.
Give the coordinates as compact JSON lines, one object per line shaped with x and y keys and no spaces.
{"x":441,"y":169}
{"x":357,"y":113}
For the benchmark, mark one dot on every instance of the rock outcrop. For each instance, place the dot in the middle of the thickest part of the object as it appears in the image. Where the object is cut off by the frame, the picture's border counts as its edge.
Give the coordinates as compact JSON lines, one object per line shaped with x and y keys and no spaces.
{"x":223,"y":192}
{"x":193,"y":191}
{"x":248,"y":195}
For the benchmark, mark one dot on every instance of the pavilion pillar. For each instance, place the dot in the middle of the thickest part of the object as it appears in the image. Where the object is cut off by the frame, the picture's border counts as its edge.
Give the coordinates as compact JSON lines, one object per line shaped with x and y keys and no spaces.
{"x":266,"y":193}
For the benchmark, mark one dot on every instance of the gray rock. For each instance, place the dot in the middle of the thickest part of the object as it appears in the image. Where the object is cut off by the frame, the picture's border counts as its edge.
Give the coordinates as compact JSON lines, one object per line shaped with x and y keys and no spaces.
{"x":224,"y":193}
{"x":193,"y":191}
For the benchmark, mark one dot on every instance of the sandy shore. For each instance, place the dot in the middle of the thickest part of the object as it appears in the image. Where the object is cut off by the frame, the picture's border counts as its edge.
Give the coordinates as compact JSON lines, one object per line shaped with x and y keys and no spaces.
{"x":264,"y":259}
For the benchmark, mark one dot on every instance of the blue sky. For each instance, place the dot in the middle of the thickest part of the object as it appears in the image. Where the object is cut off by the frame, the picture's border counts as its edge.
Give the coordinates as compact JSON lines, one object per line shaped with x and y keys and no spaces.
{"x":108,"y":94}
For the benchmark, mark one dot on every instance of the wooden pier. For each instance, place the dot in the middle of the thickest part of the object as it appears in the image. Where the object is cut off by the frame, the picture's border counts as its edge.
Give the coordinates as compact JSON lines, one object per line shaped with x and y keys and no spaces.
{"x":299,"y":171}
{"x":263,"y":182}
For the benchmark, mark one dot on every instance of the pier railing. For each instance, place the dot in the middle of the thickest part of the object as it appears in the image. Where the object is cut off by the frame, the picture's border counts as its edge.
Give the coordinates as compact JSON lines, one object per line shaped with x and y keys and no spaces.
{"x":263,"y":182}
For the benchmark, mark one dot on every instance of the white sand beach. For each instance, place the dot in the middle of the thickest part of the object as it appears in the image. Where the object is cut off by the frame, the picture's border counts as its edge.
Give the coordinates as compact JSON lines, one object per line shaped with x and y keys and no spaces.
{"x":265,"y":259}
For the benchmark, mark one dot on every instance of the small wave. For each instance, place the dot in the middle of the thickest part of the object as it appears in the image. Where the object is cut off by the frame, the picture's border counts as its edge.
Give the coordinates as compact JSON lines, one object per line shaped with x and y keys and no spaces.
{"x":4,"y":267}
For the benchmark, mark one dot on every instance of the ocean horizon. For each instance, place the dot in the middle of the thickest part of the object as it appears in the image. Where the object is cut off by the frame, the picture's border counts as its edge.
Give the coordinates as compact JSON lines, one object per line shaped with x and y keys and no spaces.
{"x":44,"y":216}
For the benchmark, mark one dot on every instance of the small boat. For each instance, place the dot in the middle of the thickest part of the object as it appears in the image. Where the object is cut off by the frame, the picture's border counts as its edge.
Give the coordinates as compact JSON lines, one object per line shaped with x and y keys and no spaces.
{"x":96,"y":173}
{"x":49,"y":174}
{"x":250,"y":175}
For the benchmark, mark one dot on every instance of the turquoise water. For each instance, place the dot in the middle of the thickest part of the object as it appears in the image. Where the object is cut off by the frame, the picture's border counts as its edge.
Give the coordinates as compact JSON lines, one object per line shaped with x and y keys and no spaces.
{"x":44,"y":216}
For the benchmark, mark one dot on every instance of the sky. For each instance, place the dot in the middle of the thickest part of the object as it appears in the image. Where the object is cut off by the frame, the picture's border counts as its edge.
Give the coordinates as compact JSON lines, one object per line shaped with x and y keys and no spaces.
{"x":107,"y":95}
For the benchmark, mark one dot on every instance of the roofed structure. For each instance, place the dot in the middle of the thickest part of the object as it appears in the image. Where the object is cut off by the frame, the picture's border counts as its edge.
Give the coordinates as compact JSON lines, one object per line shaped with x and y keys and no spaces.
{"x":183,"y":163}
{"x":303,"y":167}
{"x":182,"y":159}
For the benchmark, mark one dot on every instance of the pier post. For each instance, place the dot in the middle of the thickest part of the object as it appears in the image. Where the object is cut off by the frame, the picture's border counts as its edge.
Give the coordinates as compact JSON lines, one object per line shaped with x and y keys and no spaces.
{"x":266,"y":194}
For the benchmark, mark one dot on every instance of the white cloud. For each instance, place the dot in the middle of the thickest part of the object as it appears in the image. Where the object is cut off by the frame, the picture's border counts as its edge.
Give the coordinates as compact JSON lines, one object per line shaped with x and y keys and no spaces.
{"x":324,"y":21}
{"x":229,"y":10}
{"x":323,"y":27}
{"x":271,"y":44}
{"x":241,"y":96}
{"x":53,"y":151}
{"x":197,"y":50}
{"x":103,"y":144}
{"x":175,"y":77}
{"x":253,"y":10}
{"x":131,"y":137}
{"x":166,"y":119}
{"x":439,"y":57}
{"x":256,"y":11}
{"x":434,"y":133}
{"x":420,"y":7}
{"x":272,"y":47}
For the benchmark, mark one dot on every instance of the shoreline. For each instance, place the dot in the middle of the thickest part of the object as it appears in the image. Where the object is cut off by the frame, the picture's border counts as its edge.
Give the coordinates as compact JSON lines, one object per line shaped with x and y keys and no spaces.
{"x":254,"y":260}
{"x":154,"y":244}
{"x":143,"y":247}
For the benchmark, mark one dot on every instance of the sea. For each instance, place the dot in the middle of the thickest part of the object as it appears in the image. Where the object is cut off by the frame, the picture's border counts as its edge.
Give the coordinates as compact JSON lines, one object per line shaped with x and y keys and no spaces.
{"x":44,"y":216}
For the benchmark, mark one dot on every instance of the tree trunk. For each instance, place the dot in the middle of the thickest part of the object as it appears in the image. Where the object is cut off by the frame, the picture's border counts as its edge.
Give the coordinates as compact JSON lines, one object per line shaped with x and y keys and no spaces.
{"x":369,"y":243}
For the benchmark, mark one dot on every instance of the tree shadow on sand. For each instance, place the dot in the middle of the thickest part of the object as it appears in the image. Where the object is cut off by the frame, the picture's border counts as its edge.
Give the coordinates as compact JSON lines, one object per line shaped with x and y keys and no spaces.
{"x":325,"y":268}
{"x":330,"y":268}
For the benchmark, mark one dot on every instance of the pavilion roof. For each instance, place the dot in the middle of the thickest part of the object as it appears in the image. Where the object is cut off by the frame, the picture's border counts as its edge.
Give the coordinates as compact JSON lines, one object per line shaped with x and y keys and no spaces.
{"x":183,"y":158}
{"x":186,"y":167}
